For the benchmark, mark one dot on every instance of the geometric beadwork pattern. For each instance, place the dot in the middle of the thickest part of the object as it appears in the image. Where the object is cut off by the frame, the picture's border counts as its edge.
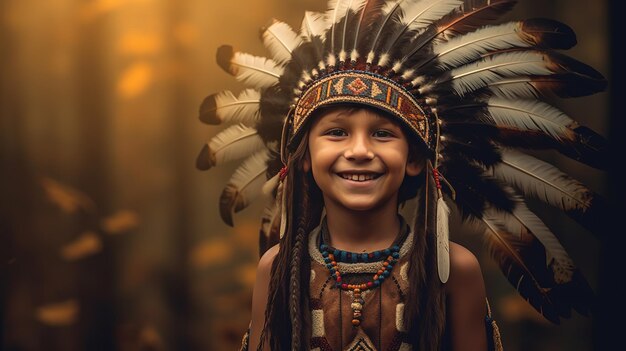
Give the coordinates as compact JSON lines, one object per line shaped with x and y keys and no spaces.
{"x":367,"y":88}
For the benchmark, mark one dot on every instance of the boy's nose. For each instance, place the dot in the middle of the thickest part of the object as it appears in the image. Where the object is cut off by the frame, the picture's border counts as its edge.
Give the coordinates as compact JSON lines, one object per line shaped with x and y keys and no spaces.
{"x":359,"y":149}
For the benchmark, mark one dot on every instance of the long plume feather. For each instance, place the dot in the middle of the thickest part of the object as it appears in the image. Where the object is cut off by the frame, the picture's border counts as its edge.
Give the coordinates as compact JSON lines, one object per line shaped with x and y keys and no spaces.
{"x":462,"y":22}
{"x":529,"y":33}
{"x":531,"y":115}
{"x":244,"y":186}
{"x":477,"y":75}
{"x":225,"y":108}
{"x":539,"y":179}
{"x":233,"y":143}
{"x":253,"y":71}
{"x":280,"y":39}
{"x":563,"y":85}
{"x":388,"y":11}
{"x":415,"y":16}
{"x":314,"y":24}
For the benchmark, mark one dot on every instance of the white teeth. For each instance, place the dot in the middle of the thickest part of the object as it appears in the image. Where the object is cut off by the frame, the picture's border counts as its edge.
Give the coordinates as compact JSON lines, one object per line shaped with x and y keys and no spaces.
{"x":359,"y":177}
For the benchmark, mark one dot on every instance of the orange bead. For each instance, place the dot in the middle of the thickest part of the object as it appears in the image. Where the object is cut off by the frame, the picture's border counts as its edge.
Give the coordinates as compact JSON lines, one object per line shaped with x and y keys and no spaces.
{"x":357,"y":290}
{"x":385,"y":263}
{"x":376,"y":277}
{"x":356,"y":322}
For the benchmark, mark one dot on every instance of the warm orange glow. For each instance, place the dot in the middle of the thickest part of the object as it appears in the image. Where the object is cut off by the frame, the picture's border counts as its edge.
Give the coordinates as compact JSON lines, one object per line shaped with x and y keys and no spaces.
{"x":135,"y":80}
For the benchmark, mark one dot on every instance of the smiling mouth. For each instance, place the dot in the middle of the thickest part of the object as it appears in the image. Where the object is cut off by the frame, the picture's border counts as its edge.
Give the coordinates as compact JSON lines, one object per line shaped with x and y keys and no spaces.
{"x":360,"y":177}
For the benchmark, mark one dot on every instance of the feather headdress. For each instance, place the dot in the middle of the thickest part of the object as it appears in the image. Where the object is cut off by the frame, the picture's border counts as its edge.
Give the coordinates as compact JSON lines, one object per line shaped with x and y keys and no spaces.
{"x":470,"y":89}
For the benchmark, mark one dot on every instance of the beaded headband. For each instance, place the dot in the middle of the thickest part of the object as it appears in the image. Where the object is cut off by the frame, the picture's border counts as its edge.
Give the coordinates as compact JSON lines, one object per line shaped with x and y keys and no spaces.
{"x":366,"y":88}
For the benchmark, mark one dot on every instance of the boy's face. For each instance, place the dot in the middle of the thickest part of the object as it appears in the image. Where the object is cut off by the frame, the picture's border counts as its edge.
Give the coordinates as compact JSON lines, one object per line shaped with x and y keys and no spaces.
{"x":358,"y":158}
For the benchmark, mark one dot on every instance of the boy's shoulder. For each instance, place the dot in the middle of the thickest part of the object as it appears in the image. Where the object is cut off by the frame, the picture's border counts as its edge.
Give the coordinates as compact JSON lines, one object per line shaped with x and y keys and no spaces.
{"x":265,"y":263}
{"x":464,"y":268}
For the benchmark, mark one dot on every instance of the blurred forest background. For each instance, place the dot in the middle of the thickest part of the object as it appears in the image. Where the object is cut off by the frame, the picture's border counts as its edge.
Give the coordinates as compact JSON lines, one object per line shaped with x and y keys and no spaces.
{"x":110,"y":239}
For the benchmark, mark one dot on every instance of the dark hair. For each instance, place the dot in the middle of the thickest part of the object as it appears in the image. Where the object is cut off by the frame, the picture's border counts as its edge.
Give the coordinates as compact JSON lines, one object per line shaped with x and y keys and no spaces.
{"x":289,"y":283}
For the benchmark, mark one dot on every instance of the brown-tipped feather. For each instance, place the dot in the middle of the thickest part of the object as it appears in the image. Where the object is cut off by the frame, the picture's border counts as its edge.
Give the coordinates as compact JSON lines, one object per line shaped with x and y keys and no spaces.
{"x":522,"y":259}
{"x":224,"y":55}
{"x":548,"y":33}
{"x":208,"y":110}
{"x":229,"y":203}
{"x":205,"y":159}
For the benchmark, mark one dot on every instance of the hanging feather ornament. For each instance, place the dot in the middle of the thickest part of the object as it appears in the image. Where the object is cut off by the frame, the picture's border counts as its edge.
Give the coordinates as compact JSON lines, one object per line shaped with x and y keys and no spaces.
{"x":473,"y":91}
{"x":443,"y":232}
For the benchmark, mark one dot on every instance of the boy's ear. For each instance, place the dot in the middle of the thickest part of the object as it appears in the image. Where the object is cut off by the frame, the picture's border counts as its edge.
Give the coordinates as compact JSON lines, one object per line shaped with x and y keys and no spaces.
{"x":414,"y":167}
{"x":306,"y":162}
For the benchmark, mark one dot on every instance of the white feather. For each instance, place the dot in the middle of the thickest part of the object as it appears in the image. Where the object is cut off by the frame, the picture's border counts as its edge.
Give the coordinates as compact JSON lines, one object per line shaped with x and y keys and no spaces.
{"x":249,"y":178}
{"x":271,"y":185}
{"x":314,"y":24}
{"x":512,"y":88}
{"x":476,"y":75}
{"x":443,"y":237}
{"x":233,"y":143}
{"x":255,"y":72}
{"x":419,"y":14}
{"x":243,"y":109}
{"x":543,"y":181}
{"x":531,"y":115}
{"x":467,"y":48}
{"x":280,"y":40}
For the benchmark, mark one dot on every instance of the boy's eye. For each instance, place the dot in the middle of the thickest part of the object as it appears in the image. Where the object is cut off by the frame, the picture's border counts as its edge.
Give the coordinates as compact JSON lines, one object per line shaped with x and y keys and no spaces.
{"x":336,"y":132}
{"x":383,"y":134}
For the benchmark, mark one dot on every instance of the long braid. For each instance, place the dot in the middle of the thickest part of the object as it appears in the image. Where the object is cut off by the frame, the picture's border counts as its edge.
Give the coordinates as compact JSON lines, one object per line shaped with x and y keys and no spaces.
{"x":426,"y":299}
{"x":295,"y":267}
{"x":289,"y":282}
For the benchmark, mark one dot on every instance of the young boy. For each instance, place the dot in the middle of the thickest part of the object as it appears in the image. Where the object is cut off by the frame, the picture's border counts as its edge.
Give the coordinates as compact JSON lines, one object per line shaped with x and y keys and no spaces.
{"x":377,"y":102}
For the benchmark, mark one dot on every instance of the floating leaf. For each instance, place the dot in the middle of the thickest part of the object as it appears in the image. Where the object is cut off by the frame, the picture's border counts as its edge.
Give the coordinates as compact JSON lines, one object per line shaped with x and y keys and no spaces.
{"x":210,"y":252}
{"x":86,"y":244}
{"x":68,"y":199}
{"x":58,"y":314}
{"x":134,"y":80}
{"x":120,"y":222}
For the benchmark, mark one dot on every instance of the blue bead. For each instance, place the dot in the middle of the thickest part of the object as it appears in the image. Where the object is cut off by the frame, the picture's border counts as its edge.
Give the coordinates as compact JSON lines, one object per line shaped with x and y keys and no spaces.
{"x":329,"y":266}
{"x":381,"y":277}
{"x":327,"y":260}
{"x":389,"y":267}
{"x":395,"y":255}
{"x":324,"y":253}
{"x":323,"y":247}
{"x":387,"y":252}
{"x":336,"y":253}
{"x":344,"y":256}
{"x":365,"y":257}
{"x":395,"y":248}
{"x":377,"y":254}
{"x":376,"y":282}
{"x":355,"y":257}
{"x":386,"y":273}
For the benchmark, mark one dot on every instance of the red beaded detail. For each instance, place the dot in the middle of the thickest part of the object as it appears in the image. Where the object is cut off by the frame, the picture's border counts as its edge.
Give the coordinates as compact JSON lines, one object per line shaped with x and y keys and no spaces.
{"x":436,"y":175}
{"x":283,"y":173}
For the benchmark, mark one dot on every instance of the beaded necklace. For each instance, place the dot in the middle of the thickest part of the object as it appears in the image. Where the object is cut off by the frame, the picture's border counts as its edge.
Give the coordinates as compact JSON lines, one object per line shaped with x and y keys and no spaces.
{"x":331,"y":256}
